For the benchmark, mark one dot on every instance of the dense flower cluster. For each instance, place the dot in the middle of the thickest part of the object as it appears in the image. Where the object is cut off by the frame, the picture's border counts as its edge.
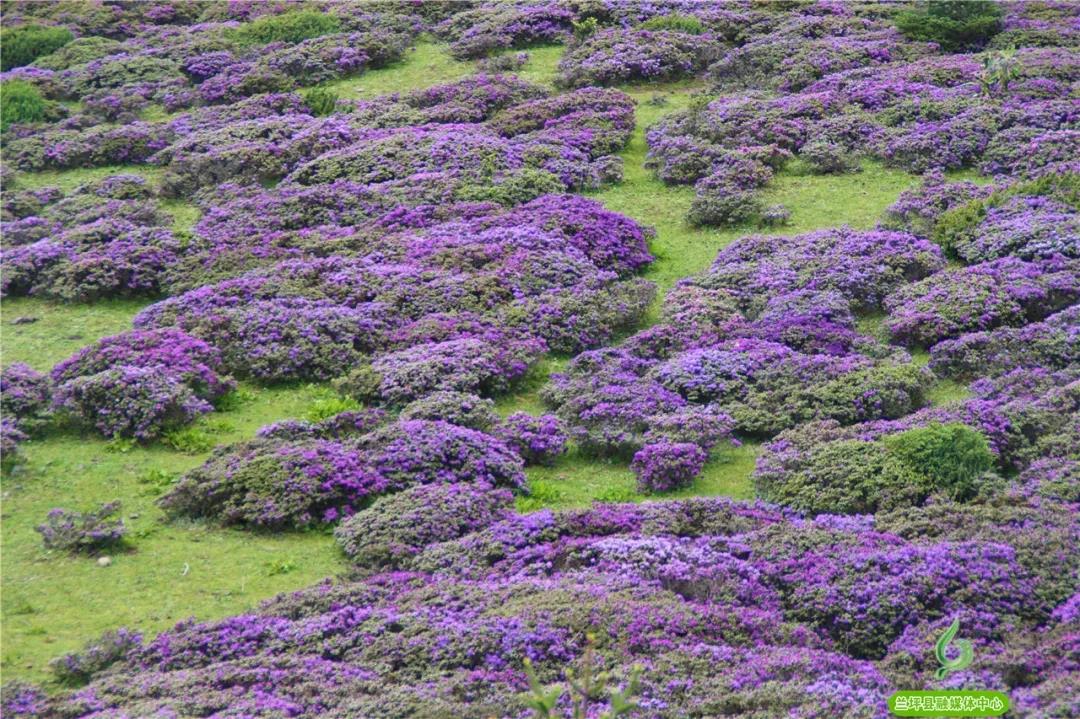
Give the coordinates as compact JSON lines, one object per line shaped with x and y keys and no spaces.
{"x":25,"y":397}
{"x":539,"y":440}
{"x":665,"y":466}
{"x":140,"y":383}
{"x":616,"y":56}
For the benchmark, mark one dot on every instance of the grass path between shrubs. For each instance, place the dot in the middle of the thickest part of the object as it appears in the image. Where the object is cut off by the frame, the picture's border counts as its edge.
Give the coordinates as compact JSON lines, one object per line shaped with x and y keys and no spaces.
{"x":53,"y":604}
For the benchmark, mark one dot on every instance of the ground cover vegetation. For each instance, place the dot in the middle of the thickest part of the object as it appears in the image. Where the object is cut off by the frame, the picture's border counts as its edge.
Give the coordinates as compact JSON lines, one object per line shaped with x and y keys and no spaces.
{"x":432,"y":297}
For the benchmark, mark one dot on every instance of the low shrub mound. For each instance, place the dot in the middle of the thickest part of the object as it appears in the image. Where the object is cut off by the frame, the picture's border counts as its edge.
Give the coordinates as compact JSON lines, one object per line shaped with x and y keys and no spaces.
{"x":82,"y":532}
{"x":396,"y":528}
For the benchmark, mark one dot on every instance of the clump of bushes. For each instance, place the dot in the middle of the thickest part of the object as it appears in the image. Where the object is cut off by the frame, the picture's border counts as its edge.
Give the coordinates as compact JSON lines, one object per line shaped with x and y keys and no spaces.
{"x":82,"y":531}
{"x":818,"y":469}
{"x":956,"y":25}
{"x":665,"y":466}
{"x":25,"y":396}
{"x":22,"y":45}
{"x":397,"y":527}
{"x":288,"y":27}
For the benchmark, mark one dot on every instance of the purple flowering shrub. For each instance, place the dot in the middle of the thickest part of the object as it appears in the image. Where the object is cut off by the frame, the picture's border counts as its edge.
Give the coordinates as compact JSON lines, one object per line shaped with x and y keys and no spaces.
{"x":665,"y":466}
{"x":130,"y":401}
{"x":618,"y":55}
{"x":140,"y":383}
{"x":476,"y":32}
{"x":82,"y":532}
{"x":1005,"y":292}
{"x":397,"y":527}
{"x":25,"y":396}
{"x":296,"y":476}
{"x":538,"y":440}
{"x":111,"y":647}
{"x":425,"y":452}
{"x":460,"y":408}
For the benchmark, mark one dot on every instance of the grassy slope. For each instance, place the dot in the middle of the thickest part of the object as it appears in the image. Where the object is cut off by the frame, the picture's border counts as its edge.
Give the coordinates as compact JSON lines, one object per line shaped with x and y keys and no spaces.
{"x":53,"y":604}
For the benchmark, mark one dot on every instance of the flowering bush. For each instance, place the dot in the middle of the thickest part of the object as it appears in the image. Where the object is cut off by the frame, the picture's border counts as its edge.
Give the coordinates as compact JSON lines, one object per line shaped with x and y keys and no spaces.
{"x":98,"y":655}
{"x":460,"y":408}
{"x":538,"y":440}
{"x":396,"y":528}
{"x":666,"y":466}
{"x":1008,"y":291}
{"x":130,"y":401}
{"x":82,"y":532}
{"x":617,"y":56}
{"x":24,"y":396}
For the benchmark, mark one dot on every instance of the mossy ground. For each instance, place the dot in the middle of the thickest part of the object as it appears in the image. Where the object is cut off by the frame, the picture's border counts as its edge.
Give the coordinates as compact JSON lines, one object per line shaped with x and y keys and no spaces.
{"x":53,"y":604}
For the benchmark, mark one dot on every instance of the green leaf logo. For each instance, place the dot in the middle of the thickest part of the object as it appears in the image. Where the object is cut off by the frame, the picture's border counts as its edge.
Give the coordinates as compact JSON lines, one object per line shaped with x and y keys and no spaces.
{"x":967,"y":654}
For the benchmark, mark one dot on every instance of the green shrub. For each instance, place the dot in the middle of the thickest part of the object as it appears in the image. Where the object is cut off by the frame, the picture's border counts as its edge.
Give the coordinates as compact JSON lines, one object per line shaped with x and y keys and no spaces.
{"x":21,"y":102}
{"x":22,"y":45}
{"x":288,"y":27}
{"x":328,"y":407}
{"x":78,"y":52}
{"x":675,"y":22}
{"x":953,"y":456}
{"x":585,"y":28}
{"x":845,"y":477}
{"x":956,"y":25}
{"x":321,"y":102}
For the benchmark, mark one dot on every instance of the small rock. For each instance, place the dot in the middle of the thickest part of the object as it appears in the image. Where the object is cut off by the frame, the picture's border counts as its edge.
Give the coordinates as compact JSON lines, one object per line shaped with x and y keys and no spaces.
{"x":104,"y":561}
{"x":133,"y":516}
{"x":25,"y":320}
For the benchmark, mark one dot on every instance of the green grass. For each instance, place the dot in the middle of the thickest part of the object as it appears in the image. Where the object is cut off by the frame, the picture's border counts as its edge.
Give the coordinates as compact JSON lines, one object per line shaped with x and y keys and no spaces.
{"x":425,"y":65}
{"x":52,"y":604}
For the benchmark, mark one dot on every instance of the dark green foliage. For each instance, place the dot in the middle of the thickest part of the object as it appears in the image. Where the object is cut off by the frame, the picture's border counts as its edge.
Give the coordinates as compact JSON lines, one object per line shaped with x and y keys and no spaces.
{"x":846,"y":477}
{"x":675,"y":22}
{"x":21,"y":102}
{"x":321,"y":102}
{"x":956,"y":25}
{"x":953,"y":456}
{"x":22,"y":45}
{"x":289,"y":27}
